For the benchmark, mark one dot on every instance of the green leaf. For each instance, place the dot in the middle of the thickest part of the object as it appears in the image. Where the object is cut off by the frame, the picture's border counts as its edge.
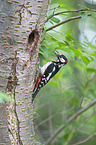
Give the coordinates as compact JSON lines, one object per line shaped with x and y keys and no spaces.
{"x":93,"y":13}
{"x":44,"y":50}
{"x":51,"y":22}
{"x":74,"y":101}
{"x":83,"y":7}
{"x":78,"y":51}
{"x":85,"y":60}
{"x":66,"y":42}
{"x":41,"y":55}
{"x":91,"y":70}
{"x":61,"y":5}
{"x":54,"y":83}
{"x":69,"y":35}
{"x":52,"y":9}
{"x":44,"y":34}
{"x":91,"y":58}
{"x":54,"y":6}
{"x":59,"y":75}
{"x":4,"y":96}
{"x":54,"y":19}
{"x":93,"y":54}
{"x":84,"y":15}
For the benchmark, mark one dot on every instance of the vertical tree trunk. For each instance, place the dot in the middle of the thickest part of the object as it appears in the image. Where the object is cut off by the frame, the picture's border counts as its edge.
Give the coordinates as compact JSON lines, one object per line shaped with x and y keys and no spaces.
{"x":18,"y":59}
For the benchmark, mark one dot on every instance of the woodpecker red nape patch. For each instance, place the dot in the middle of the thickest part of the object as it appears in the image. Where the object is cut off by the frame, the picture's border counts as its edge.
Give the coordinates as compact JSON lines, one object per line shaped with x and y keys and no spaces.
{"x":66,"y":61}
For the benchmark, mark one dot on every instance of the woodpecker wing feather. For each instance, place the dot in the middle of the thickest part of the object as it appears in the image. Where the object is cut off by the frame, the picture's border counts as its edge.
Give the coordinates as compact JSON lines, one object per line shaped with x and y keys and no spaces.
{"x":50,"y":71}
{"x":45,"y":67}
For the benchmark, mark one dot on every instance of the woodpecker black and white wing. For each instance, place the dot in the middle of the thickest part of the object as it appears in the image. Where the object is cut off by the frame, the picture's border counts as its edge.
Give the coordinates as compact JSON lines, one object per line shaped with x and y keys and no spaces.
{"x":43,"y":69}
{"x":48,"y":71}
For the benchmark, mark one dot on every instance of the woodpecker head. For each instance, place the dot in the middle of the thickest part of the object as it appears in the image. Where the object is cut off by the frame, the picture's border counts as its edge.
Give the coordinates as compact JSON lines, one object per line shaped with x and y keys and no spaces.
{"x":62,"y":59}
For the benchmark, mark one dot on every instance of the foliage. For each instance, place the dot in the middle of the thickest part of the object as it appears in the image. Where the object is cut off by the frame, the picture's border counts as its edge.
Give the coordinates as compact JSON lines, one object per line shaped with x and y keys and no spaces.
{"x":73,"y":87}
{"x":4,"y":96}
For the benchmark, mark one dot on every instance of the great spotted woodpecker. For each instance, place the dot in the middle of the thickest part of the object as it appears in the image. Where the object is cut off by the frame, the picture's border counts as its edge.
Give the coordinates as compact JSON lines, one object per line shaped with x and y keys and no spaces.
{"x":48,"y":71}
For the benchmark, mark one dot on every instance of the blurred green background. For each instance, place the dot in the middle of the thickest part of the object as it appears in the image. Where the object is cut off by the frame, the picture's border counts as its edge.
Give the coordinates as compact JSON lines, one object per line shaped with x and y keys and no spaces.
{"x":75,"y":84}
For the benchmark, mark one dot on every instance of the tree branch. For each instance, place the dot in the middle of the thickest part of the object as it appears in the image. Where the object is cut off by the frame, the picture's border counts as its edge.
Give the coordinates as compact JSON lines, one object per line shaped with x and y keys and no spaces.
{"x":85,"y":140}
{"x":69,"y":11}
{"x":65,"y":21}
{"x":70,"y":120}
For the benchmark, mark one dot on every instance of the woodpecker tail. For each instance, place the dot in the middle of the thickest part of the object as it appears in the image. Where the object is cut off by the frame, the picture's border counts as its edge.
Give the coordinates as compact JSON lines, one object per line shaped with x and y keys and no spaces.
{"x":34,"y":95}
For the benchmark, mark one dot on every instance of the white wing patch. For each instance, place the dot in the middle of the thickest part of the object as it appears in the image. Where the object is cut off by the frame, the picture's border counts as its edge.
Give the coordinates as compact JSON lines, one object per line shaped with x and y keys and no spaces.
{"x":50,"y":74}
{"x":53,"y":69}
{"x":44,"y":67}
{"x":43,"y":79}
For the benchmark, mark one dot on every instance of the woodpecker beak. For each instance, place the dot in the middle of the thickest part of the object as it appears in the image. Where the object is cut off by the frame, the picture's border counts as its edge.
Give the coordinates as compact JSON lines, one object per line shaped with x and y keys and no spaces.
{"x":57,"y":53}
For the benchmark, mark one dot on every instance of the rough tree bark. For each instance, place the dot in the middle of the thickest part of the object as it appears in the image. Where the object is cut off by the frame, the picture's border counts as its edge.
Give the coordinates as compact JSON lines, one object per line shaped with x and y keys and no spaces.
{"x":18,"y":59}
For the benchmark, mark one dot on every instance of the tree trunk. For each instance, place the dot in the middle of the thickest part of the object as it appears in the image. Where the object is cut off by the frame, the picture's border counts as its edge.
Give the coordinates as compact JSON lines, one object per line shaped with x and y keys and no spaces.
{"x":21,"y":26}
